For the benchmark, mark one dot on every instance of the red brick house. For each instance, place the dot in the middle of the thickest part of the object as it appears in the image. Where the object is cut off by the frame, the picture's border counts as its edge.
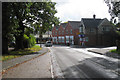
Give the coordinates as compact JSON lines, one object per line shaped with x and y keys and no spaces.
{"x":71,"y":32}
{"x":66,"y":33}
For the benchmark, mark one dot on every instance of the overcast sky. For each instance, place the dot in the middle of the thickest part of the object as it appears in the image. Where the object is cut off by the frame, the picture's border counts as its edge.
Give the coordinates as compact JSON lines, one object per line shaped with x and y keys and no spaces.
{"x":74,"y":10}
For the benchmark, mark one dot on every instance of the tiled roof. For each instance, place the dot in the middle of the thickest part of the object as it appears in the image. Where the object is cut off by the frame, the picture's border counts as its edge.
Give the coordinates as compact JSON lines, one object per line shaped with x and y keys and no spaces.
{"x":75,"y":24}
{"x":90,"y":22}
{"x":63,"y":25}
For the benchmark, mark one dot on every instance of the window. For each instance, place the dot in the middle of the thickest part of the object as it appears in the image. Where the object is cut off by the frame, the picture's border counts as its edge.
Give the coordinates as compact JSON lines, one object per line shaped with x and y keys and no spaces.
{"x":66,"y":31}
{"x":59,"y":39}
{"x":81,"y":29}
{"x":71,"y":31}
{"x":71,"y":39}
{"x":91,"y":30}
{"x":63,"y":39}
{"x":67,"y":39}
{"x":63,"y":32}
{"x":105,"y":29}
{"x":59,"y":32}
{"x":55,"y":39}
{"x":56,"y":33}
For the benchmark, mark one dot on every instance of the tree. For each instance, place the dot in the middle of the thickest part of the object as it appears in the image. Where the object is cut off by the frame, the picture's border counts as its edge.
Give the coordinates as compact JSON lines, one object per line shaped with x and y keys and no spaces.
{"x":5,"y":29}
{"x":24,"y":15}
{"x":114,"y":10}
{"x":44,"y":16}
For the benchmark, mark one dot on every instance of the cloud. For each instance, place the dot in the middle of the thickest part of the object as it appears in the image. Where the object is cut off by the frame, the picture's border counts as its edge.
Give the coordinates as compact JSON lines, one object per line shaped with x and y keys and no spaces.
{"x":77,"y":9}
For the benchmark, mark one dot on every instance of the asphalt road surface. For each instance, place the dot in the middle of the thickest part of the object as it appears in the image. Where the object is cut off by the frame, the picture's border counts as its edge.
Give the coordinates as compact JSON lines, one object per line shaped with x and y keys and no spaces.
{"x":82,"y":64}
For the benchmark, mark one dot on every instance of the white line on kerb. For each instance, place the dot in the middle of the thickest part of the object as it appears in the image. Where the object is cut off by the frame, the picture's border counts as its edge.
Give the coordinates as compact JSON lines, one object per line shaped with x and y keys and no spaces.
{"x":51,"y":67}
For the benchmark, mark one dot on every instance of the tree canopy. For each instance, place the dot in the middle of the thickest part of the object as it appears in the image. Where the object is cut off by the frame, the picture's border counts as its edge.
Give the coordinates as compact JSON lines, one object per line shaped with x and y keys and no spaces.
{"x":114,"y":10}
{"x":21,"y":18}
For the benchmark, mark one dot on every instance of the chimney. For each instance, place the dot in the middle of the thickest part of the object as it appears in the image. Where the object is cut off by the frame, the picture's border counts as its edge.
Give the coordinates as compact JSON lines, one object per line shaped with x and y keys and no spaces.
{"x":94,"y":16}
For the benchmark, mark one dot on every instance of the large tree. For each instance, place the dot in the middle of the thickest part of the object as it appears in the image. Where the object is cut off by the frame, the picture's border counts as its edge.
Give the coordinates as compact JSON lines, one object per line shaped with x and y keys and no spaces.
{"x":20,"y":16}
{"x":114,"y":10}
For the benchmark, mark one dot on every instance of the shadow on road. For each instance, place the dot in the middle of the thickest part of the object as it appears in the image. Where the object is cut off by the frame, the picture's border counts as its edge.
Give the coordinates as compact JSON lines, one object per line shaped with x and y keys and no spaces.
{"x":93,"y":69}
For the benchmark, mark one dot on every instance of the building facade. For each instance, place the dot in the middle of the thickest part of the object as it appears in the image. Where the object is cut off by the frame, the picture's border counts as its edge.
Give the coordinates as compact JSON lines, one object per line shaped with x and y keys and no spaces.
{"x":97,"y":32}
{"x":66,"y":33}
{"x":87,"y":32}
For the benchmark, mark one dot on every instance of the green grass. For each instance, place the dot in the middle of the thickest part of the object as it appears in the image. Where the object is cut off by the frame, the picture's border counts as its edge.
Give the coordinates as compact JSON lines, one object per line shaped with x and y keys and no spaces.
{"x":115,"y":51}
{"x":19,"y":53}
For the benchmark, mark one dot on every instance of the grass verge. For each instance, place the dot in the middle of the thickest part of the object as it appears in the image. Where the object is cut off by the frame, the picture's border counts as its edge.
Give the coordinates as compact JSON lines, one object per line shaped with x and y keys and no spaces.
{"x":19,"y":53}
{"x":115,"y":51}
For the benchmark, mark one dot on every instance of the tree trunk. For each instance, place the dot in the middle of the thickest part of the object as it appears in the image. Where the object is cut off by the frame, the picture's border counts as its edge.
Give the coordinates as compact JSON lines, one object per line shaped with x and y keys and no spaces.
{"x":19,"y":39}
{"x":118,"y":44}
{"x":4,"y":45}
{"x":19,"y":42}
{"x":40,"y":36}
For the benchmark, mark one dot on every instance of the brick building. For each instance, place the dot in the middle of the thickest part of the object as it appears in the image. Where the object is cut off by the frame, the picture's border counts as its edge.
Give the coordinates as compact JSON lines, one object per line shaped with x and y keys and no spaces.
{"x":88,"y":32}
{"x":97,"y":32}
{"x":66,"y":33}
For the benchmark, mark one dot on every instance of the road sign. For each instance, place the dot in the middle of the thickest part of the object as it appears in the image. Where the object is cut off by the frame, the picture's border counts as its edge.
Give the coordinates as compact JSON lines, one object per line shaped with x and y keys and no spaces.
{"x":81,"y":35}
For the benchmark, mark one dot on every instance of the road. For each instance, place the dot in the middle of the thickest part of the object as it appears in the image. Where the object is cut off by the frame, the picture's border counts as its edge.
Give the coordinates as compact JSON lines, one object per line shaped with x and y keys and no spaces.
{"x":66,"y":62}
{"x":78,"y":63}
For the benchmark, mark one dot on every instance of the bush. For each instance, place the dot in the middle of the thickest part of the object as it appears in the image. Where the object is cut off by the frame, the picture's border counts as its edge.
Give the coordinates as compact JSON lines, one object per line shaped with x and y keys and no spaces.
{"x":29,"y":41}
{"x":32,"y":40}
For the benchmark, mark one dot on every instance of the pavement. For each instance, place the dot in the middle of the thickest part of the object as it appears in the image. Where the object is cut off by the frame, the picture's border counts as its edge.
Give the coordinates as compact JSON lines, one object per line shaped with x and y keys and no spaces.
{"x":27,"y":59}
{"x":105,"y":52}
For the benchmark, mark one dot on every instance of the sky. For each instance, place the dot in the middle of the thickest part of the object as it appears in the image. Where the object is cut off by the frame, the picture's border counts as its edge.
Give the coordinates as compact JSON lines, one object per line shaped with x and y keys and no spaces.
{"x":74,"y":10}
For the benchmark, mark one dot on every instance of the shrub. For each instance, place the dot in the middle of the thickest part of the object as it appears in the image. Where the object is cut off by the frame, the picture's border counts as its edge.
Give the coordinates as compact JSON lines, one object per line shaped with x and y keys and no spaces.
{"x":32,"y":40}
{"x":29,"y":41}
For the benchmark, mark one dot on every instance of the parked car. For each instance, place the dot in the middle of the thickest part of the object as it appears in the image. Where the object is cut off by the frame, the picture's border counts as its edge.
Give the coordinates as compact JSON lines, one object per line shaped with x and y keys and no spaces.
{"x":48,"y":44}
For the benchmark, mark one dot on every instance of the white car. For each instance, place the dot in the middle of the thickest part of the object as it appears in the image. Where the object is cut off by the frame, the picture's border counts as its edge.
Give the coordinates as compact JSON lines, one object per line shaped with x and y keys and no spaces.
{"x":48,"y":44}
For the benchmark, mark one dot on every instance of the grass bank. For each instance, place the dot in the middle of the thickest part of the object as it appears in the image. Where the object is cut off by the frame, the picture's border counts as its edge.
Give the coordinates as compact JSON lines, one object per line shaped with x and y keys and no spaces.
{"x":19,"y":53}
{"x":115,"y":51}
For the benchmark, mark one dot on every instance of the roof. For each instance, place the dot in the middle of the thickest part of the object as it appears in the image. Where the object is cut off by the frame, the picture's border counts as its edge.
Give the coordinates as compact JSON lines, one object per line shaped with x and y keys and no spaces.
{"x":63,"y":25}
{"x":90,"y":22}
{"x":75,"y":24}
